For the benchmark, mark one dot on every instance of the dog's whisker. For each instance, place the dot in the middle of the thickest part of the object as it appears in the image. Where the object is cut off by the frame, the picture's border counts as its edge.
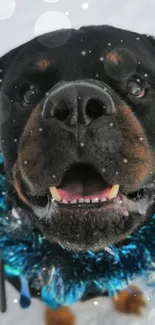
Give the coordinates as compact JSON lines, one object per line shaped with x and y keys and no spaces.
{"x":151,"y":164}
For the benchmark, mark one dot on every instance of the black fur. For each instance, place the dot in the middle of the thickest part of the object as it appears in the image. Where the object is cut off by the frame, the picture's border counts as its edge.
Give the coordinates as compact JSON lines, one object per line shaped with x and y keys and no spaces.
{"x":50,"y":146}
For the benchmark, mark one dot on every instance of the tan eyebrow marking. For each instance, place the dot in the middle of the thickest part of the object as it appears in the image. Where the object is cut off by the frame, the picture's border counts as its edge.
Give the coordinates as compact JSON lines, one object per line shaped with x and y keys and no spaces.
{"x":113,"y":58}
{"x":43,"y":64}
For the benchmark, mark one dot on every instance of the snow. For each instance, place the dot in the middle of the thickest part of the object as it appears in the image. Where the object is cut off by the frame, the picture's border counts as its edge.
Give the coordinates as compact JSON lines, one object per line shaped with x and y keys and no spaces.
{"x":98,"y":311}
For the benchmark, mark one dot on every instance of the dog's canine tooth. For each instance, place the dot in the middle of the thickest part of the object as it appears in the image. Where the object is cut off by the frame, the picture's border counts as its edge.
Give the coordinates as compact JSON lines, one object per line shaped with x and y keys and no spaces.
{"x":55,"y":194}
{"x":64,"y":201}
{"x":113,"y":192}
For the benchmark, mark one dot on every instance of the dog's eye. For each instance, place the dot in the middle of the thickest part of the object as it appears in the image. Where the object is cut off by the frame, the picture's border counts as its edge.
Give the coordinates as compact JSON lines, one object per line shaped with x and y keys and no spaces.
{"x":135,"y":88}
{"x":29,"y":94}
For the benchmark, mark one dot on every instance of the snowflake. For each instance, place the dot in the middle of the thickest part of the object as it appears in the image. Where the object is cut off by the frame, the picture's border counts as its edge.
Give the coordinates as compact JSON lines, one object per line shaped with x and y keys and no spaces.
{"x":85,"y":5}
{"x":95,"y":302}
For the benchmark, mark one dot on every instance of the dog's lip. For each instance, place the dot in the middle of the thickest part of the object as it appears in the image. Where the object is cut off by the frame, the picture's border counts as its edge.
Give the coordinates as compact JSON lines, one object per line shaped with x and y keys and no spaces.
{"x":119,"y":199}
{"x":125,"y":205}
{"x":136,"y":204}
{"x":123,"y":201}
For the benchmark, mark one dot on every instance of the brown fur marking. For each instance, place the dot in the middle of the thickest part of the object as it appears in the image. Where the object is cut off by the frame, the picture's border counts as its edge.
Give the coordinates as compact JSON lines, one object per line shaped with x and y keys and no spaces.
{"x":126,"y":302}
{"x":19,"y":192}
{"x":113,"y":58}
{"x":132,"y":131}
{"x":62,"y":316}
{"x":43,"y":64}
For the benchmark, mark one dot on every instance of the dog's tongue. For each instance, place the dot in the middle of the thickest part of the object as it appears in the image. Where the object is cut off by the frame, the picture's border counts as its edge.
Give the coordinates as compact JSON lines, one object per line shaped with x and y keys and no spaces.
{"x":78,"y":191}
{"x":83,"y":183}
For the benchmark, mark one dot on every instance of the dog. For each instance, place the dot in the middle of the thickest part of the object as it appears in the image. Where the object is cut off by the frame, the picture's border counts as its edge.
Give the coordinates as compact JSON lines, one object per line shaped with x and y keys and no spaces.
{"x":77,"y":133}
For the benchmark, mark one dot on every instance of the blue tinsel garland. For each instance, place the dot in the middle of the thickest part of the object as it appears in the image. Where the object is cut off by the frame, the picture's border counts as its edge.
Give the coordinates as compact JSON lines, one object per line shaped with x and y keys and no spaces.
{"x":63,"y":277}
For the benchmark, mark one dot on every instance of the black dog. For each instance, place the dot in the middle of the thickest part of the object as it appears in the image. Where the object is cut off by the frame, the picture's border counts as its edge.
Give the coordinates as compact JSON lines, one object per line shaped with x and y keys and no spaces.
{"x":78,"y":133}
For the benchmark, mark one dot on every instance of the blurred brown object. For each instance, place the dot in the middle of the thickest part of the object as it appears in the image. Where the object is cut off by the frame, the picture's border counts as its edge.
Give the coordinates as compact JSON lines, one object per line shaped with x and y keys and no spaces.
{"x":62,"y":316}
{"x":130,"y":301}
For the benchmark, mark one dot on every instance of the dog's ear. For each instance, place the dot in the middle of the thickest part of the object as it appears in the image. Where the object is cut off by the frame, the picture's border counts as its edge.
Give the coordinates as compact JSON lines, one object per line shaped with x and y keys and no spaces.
{"x":5,"y":62}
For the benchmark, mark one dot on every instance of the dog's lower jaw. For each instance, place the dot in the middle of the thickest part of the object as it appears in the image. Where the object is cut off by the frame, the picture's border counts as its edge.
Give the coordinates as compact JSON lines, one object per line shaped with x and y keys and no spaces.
{"x":85,"y":230}
{"x":94,"y":228}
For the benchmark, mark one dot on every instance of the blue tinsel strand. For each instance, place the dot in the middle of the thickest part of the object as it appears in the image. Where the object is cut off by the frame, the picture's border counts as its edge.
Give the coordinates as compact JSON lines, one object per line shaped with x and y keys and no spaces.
{"x":64,"y":277}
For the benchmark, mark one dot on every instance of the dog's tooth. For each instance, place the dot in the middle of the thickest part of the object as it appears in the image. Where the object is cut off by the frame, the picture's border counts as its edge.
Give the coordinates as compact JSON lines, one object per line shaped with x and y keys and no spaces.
{"x":87,"y":201}
{"x":96,"y":200}
{"x":73,"y":201}
{"x":81,"y":200}
{"x":55,"y":194}
{"x":64,"y":201}
{"x":113,"y":192}
{"x":104,"y":199}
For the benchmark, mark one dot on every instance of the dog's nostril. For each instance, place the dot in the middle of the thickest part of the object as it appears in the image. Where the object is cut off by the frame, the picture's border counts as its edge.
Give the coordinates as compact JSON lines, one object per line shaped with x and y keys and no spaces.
{"x":61,"y":111}
{"x":95,"y":108}
{"x":56,"y":109}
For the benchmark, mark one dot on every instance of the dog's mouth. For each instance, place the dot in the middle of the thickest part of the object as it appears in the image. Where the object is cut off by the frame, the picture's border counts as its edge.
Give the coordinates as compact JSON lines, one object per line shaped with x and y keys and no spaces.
{"x":85,"y":212}
{"x":82,"y":187}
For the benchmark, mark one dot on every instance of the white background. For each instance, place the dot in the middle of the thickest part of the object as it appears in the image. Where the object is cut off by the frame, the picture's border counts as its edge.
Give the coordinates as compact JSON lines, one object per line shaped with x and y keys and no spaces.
{"x":20,"y":21}
{"x":24,"y":17}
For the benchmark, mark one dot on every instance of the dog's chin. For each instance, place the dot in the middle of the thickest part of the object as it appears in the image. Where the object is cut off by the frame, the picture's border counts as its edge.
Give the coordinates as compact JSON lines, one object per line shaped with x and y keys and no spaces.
{"x":83,"y":227}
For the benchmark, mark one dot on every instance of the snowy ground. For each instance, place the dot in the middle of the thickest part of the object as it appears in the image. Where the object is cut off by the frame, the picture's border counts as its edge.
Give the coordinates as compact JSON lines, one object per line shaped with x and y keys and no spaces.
{"x":21,"y":21}
{"x":94,"y":312}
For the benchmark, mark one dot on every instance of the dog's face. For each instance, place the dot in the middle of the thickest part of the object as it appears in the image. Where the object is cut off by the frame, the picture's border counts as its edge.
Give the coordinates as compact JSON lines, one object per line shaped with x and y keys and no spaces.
{"x":78,"y":133}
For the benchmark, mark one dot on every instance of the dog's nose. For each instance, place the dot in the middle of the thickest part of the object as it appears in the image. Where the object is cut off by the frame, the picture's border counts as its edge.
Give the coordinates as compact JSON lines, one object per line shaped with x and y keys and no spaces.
{"x":78,"y":102}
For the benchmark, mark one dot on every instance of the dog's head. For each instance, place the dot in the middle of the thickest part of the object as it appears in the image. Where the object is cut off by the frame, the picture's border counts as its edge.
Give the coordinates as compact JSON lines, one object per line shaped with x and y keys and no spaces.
{"x":78,"y":133}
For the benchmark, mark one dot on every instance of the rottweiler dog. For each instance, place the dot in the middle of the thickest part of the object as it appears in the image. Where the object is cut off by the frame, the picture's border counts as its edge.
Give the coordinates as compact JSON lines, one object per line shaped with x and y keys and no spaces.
{"x":78,"y":133}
